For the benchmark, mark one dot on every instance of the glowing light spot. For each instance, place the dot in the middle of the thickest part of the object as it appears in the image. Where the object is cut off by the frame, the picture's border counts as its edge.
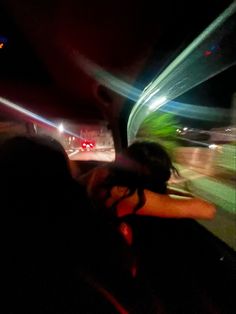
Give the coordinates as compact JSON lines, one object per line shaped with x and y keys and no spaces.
{"x":213,"y":146}
{"x":61,"y":128}
{"x":1,"y":45}
{"x":157,"y":103}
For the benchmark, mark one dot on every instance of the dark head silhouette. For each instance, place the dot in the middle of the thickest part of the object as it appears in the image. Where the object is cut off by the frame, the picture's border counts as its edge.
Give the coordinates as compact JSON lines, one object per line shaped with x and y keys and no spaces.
{"x":33,"y":156}
{"x":49,"y":235}
{"x":33,"y":170}
{"x":143,"y":165}
{"x":154,"y":162}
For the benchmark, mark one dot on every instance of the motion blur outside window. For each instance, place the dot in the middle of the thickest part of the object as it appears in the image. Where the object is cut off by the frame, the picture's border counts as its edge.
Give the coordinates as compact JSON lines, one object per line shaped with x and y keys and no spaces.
{"x":191,"y":109}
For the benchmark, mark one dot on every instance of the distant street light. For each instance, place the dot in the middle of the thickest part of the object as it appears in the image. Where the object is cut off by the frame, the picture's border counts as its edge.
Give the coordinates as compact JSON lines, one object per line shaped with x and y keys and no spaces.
{"x":61,"y":128}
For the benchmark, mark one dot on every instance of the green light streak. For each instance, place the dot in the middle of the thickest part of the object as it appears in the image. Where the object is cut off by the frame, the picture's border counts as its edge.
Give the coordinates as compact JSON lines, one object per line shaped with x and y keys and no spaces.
{"x":189,"y":69}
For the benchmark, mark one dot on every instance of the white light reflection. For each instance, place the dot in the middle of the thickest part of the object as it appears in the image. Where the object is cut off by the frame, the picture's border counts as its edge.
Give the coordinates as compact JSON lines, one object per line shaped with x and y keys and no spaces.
{"x":213,"y":146}
{"x":61,"y":128}
{"x":157,"y":103}
{"x":191,"y":67}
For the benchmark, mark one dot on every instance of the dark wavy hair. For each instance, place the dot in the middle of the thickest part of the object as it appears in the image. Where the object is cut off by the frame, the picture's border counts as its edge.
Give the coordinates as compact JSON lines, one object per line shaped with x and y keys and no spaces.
{"x":155,"y":162}
{"x":143,"y":165}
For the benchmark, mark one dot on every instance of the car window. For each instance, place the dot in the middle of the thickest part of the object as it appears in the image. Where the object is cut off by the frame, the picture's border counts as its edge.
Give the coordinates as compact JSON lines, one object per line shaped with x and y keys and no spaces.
{"x":190,"y":108}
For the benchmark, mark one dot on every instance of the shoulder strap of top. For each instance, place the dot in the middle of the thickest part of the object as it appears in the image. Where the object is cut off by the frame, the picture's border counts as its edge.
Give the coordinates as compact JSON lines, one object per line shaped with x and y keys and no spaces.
{"x":121,"y":194}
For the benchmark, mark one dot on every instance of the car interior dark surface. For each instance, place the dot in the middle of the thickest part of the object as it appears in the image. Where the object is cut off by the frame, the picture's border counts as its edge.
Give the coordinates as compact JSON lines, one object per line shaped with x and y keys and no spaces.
{"x":96,"y":76}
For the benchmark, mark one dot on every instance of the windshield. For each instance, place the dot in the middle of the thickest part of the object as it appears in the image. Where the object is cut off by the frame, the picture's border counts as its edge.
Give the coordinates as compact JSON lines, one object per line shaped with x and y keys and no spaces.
{"x":81,"y":141}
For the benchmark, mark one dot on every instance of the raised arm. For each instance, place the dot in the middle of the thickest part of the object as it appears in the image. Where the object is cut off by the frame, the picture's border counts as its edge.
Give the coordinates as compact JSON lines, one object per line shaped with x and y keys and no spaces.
{"x":163,"y":205}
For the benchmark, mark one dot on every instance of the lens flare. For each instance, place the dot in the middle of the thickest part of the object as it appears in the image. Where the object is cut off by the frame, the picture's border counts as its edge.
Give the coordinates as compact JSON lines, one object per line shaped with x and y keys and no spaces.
{"x":34,"y":116}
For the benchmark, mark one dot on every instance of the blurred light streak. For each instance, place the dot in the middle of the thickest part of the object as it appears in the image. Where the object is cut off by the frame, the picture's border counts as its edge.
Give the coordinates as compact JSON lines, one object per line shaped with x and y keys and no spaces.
{"x":33,"y":115}
{"x":191,"y":67}
{"x":195,"y":111}
{"x":193,"y":141}
{"x":107,"y":79}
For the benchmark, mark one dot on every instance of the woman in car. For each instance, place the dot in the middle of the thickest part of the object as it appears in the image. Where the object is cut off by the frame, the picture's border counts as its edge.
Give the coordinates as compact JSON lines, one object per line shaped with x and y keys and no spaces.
{"x":137,"y":183}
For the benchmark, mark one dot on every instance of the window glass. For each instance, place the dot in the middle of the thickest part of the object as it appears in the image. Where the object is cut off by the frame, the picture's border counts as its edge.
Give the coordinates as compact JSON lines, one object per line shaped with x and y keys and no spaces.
{"x":191,"y":109}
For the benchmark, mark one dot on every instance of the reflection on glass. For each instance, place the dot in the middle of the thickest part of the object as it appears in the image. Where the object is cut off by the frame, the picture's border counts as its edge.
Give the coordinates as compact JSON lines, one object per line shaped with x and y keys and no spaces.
{"x":201,"y":139}
{"x":210,"y":53}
